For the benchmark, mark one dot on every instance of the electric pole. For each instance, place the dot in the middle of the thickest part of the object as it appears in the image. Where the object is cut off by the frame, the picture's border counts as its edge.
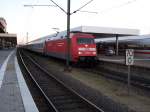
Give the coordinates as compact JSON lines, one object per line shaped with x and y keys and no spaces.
{"x":68,"y":24}
{"x":68,"y":34}
{"x":27,"y":38}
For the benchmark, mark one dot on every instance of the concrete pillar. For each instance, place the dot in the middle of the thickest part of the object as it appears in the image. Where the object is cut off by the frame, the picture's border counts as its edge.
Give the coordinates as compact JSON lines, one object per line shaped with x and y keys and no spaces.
{"x":11,"y":44}
{"x":0,"y":42}
{"x":117,"y":45}
{"x":3,"y":43}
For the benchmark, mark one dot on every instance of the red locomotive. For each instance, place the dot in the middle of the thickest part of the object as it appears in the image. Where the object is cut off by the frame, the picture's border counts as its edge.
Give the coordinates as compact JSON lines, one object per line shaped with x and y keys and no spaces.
{"x":82,"y":46}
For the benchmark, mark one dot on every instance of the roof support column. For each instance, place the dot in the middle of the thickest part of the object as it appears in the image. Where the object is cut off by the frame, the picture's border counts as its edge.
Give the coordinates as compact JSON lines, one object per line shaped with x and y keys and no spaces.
{"x":0,"y":43}
{"x":117,"y":45}
{"x":3,"y":43}
{"x":68,"y":35}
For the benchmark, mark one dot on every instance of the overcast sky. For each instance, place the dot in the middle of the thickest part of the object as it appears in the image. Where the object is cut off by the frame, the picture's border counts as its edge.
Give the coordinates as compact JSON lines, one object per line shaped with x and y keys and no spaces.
{"x":39,"y":21}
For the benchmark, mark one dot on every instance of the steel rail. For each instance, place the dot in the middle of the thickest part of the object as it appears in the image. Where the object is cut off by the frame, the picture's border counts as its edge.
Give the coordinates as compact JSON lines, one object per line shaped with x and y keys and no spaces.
{"x":64,"y":85}
{"x":45,"y":96}
{"x":121,"y":78}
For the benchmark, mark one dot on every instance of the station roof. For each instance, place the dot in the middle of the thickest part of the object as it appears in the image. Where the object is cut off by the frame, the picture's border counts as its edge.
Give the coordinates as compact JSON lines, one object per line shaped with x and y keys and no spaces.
{"x":9,"y":37}
{"x":103,"y":32}
{"x":140,"y":39}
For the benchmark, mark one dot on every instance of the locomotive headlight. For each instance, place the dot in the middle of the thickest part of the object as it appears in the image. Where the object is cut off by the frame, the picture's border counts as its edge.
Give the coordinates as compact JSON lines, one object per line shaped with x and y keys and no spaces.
{"x":79,"y":52}
{"x":94,"y":52}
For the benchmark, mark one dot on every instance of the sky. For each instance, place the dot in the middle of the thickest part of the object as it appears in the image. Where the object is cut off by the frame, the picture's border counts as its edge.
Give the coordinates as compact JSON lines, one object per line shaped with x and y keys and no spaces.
{"x":40,"y":21}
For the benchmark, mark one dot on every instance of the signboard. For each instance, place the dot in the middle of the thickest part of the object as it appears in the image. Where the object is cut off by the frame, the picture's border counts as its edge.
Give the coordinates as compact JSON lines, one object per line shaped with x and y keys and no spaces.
{"x":129,"y":56}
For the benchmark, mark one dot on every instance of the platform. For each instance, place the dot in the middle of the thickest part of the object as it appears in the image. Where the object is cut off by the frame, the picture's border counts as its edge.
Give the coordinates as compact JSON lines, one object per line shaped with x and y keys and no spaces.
{"x":138,"y":61}
{"x":14,"y":93}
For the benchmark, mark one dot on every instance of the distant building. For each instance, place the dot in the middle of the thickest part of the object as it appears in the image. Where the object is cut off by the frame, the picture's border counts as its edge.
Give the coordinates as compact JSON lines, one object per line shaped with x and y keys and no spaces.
{"x":7,"y":40}
{"x":3,"y":25}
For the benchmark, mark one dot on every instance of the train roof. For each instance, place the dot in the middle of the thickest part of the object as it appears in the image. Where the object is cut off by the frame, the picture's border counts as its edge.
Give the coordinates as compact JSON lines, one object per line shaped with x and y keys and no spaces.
{"x":54,"y":36}
{"x":48,"y":37}
{"x":98,"y":32}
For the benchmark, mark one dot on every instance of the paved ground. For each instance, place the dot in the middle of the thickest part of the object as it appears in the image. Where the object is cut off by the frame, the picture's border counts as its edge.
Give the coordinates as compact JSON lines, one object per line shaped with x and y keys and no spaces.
{"x":10,"y":92}
{"x":14,"y":94}
{"x":3,"y":55}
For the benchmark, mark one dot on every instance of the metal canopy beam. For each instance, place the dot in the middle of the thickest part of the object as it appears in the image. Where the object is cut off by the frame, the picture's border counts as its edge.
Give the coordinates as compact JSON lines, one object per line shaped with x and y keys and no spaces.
{"x":106,"y":31}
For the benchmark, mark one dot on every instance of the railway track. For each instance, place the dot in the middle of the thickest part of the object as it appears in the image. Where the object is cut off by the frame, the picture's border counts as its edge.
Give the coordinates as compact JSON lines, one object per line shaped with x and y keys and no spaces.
{"x":60,"y":97}
{"x":135,"y":81}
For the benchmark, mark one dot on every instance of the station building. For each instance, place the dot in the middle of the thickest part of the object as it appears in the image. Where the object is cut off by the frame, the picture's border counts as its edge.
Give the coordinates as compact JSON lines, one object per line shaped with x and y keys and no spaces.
{"x":7,"y":40}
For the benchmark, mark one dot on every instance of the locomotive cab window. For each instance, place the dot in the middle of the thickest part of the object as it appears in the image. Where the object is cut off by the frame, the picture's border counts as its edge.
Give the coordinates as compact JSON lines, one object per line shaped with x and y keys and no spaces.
{"x":85,"y":41}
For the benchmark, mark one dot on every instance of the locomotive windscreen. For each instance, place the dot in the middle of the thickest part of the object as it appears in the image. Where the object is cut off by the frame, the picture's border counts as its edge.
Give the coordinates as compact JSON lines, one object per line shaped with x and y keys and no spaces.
{"x":85,"y":41}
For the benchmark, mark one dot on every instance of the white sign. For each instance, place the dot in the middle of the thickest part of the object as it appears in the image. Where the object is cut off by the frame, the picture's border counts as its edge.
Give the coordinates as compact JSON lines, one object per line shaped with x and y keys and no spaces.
{"x":129,"y":56}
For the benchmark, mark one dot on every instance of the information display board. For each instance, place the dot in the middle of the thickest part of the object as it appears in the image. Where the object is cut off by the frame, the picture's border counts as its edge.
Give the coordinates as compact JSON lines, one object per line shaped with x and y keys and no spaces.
{"x":129,"y":56}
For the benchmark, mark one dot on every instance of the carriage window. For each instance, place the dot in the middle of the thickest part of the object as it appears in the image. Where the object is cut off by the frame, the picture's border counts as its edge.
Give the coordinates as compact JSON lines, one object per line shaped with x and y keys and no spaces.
{"x":85,"y":41}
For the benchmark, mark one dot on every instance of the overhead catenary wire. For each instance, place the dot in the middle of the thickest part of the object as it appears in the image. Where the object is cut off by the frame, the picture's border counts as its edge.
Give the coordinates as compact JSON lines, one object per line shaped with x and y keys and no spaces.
{"x":29,"y":21}
{"x":58,"y":6}
{"x":82,"y":7}
{"x":118,"y":6}
{"x":89,"y":11}
{"x":39,"y":5}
